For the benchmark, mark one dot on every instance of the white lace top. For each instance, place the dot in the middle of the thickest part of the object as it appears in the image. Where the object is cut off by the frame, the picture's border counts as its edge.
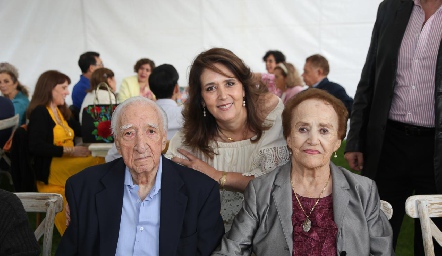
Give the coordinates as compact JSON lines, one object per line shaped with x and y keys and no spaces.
{"x":244,"y":157}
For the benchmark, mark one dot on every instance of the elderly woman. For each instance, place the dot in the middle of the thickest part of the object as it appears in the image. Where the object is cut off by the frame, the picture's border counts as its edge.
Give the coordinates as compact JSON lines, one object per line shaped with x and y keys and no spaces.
{"x":138,"y":85}
{"x":51,"y":132}
{"x":232,"y":127}
{"x":12,"y":89}
{"x":287,"y":80}
{"x":106,"y":79}
{"x":310,"y":206}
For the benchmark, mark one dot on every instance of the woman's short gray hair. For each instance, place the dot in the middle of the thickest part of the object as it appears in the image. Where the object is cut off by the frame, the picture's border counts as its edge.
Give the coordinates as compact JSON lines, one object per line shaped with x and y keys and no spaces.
{"x":136,"y":100}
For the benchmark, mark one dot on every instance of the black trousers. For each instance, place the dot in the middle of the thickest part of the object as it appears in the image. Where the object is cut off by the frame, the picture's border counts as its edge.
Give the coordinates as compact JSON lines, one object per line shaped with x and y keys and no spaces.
{"x":406,"y":166}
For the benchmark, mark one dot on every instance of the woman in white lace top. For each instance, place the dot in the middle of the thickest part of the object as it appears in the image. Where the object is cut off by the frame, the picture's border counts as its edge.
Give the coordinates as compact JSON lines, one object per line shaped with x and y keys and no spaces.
{"x":232,"y":127}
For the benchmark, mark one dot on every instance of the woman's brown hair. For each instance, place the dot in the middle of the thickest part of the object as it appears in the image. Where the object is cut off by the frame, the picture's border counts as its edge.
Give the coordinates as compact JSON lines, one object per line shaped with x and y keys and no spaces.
{"x":14,"y":78}
{"x":43,"y":92}
{"x":100,"y":75}
{"x":199,"y":130}
{"x":314,"y":93}
{"x":292,"y":74}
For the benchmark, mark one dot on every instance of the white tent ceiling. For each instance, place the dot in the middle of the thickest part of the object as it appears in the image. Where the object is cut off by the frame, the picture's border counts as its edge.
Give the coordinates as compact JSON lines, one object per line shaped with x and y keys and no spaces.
{"x":37,"y":35}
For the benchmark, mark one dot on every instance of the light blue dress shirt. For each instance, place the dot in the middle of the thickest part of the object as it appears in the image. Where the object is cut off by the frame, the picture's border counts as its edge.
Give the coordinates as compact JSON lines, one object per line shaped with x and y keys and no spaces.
{"x":140,"y":220}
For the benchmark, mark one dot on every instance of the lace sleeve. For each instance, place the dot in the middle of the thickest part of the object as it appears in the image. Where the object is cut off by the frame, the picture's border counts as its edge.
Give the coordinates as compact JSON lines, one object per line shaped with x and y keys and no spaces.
{"x":267,"y":160}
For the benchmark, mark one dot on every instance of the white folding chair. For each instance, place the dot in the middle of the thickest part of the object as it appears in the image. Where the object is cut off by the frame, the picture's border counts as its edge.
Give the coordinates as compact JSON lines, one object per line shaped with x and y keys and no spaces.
{"x":6,"y":124}
{"x":425,"y":207}
{"x":49,"y":203}
{"x":387,"y":209}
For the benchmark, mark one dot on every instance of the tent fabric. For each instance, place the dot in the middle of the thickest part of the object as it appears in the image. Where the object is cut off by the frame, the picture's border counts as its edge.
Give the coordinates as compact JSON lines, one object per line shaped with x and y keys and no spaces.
{"x":40,"y":35}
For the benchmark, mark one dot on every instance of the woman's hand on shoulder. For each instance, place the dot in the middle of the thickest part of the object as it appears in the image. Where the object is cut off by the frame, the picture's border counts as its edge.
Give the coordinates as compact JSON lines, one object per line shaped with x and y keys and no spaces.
{"x":81,"y":151}
{"x":195,"y":163}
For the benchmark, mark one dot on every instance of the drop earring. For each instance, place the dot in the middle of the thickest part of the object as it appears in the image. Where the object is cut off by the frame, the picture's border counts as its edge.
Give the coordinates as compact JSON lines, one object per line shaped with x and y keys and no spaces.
{"x":244,"y":101}
{"x":204,"y":111}
{"x":336,"y":155}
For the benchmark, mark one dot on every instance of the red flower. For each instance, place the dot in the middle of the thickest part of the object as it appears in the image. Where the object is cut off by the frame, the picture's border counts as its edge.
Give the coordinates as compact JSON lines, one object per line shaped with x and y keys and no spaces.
{"x":104,"y":129}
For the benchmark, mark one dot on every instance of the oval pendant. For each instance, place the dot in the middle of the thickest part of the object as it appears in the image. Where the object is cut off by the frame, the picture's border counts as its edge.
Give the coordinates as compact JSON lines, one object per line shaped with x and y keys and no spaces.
{"x":306,"y":225}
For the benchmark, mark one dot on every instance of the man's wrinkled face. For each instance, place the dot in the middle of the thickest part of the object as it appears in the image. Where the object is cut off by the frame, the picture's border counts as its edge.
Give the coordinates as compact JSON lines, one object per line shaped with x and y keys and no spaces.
{"x":141,"y":137}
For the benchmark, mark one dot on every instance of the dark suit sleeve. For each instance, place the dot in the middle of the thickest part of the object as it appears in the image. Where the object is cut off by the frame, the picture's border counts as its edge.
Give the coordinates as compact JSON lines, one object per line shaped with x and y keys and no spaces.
{"x":39,"y":129}
{"x":69,"y":242}
{"x":210,"y":223}
{"x":364,"y":93}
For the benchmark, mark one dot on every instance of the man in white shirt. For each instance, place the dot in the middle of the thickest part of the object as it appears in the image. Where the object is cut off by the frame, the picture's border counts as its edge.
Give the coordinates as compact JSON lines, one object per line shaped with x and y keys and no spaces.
{"x":163,"y":82}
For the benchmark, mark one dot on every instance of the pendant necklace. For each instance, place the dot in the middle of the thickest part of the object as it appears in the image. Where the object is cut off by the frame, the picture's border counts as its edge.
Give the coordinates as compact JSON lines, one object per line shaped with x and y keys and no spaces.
{"x":307,"y":224}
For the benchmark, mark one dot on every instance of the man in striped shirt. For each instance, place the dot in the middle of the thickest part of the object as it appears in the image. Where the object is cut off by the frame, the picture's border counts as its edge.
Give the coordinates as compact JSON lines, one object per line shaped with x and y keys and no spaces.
{"x":397,"y":110}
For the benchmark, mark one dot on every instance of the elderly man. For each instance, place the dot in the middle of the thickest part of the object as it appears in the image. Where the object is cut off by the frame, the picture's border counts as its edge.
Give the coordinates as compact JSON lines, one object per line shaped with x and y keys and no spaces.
{"x":142,"y":203}
{"x":316,"y":69}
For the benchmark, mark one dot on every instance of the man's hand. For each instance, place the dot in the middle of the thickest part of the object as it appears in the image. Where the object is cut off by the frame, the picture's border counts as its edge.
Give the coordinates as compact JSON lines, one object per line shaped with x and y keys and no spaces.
{"x":355,"y":160}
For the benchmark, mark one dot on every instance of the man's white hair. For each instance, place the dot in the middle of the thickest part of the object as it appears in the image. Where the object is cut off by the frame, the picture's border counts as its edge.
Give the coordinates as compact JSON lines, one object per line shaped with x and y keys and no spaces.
{"x":138,"y":100}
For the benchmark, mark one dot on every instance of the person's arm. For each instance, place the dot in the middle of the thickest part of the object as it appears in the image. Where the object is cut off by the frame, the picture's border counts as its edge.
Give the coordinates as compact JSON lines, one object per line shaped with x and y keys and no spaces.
{"x":123,"y":93}
{"x":69,"y":242}
{"x":380,"y":231}
{"x":210,"y":224}
{"x":363,"y":99}
{"x":16,"y":238}
{"x":238,"y":241}
{"x":231,"y":181}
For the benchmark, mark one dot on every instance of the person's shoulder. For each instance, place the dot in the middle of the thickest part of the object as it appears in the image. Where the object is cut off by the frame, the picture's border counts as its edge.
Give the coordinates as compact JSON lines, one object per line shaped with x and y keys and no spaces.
{"x":268,"y":102}
{"x":355,"y":179}
{"x":189,"y":176}
{"x":40,"y":110}
{"x":9,"y":200}
{"x":94,"y":173}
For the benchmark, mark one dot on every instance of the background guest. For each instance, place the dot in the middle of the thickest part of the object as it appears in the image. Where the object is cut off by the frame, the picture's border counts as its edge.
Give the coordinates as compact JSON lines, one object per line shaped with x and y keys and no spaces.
{"x":51,"y":132}
{"x":12,"y":89}
{"x":16,"y":238}
{"x":138,"y":85}
{"x":88,"y":63}
{"x":315,"y":74}
{"x":272,"y":58}
{"x":310,"y":206}
{"x":101,"y":75}
{"x":287,"y":80}
{"x":164,"y":84}
{"x":232,"y":128}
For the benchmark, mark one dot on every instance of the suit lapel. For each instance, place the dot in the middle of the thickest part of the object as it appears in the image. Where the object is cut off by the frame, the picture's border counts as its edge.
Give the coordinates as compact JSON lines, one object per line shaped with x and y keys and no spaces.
{"x":282,"y":195}
{"x":341,"y":196}
{"x":109,"y":203}
{"x":173,"y":207}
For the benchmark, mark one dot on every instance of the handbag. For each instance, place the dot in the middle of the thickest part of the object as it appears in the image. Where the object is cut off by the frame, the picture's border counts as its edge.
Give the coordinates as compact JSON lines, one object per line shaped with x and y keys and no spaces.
{"x":96,"y":119}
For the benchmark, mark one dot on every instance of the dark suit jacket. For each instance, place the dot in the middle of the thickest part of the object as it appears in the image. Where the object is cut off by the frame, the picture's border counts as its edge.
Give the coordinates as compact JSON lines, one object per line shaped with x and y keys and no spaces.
{"x":190,"y":222}
{"x":337,"y":91}
{"x":375,"y":89}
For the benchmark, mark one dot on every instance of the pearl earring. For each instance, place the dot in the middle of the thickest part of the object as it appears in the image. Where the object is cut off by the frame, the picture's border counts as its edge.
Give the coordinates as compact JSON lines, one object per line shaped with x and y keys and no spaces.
{"x":204,"y":111}
{"x":336,"y":155}
{"x":244,"y":102}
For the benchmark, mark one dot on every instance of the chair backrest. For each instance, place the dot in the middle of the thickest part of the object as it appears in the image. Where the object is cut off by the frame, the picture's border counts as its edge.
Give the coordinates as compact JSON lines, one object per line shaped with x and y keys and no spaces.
{"x":387,"y":209}
{"x":49,"y":203}
{"x":11,"y":122}
{"x":425,"y":207}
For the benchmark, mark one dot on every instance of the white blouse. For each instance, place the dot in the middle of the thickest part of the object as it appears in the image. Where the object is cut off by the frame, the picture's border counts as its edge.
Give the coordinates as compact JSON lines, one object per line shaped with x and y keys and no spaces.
{"x":243,"y":157}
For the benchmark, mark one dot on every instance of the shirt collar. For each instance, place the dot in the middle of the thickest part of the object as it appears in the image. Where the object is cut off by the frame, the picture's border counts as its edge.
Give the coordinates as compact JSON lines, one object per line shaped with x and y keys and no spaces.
{"x":156,"y":187}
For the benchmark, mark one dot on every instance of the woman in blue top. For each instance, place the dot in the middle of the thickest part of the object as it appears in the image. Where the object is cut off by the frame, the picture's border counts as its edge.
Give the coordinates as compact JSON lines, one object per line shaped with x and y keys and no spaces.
{"x":12,"y":89}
